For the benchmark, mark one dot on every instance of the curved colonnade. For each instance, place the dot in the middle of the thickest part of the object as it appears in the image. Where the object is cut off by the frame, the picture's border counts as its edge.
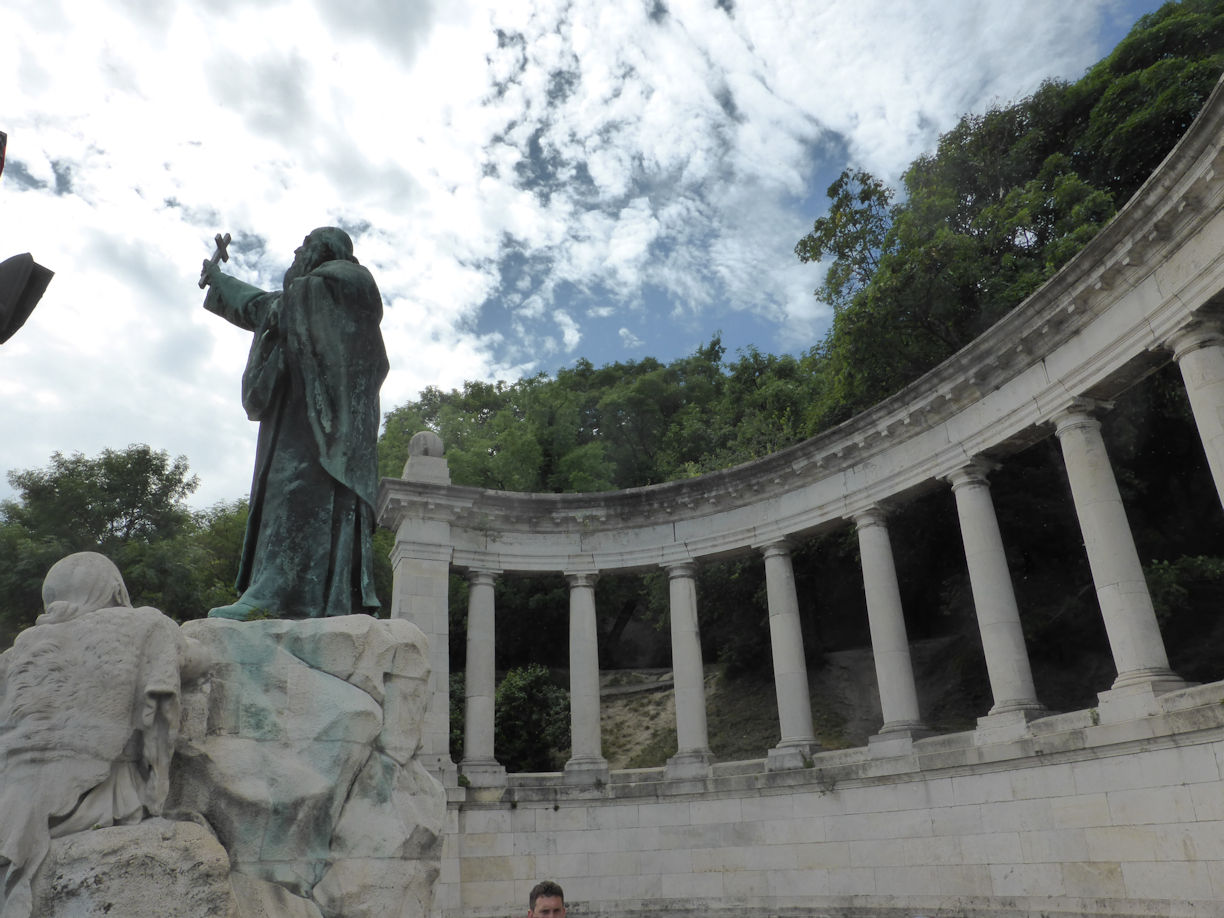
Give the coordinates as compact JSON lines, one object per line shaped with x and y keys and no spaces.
{"x":1148,"y":289}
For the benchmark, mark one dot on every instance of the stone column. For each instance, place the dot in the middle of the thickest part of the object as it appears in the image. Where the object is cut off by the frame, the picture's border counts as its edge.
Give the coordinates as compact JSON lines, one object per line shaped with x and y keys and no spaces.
{"x":889,"y":644}
{"x":587,"y":764}
{"x":790,"y":667}
{"x":1007,"y":660}
{"x":1199,"y":352}
{"x":1126,"y":606}
{"x":692,"y":758}
{"x":479,"y":764}
{"x":420,"y":593}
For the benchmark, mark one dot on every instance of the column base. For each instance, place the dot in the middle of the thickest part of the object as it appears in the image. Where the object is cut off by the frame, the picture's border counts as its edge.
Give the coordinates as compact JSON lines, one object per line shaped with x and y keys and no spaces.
{"x":1015,"y":705}
{"x":483,"y":773}
{"x":689,"y":765}
{"x":791,"y":754}
{"x":1006,"y":725}
{"x":588,"y":770}
{"x":1135,"y":694}
{"x":897,"y":738}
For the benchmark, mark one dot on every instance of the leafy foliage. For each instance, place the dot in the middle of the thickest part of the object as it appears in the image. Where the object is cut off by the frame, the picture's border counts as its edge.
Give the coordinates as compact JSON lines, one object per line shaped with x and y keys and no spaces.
{"x":129,"y":505}
{"x":854,"y":232}
{"x":531,"y":720}
{"x":1004,"y":201}
{"x":531,"y":724}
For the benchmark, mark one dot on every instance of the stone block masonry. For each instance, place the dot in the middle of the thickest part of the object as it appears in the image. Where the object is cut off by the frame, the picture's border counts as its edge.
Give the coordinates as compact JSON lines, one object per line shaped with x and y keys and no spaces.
{"x":1078,"y":818}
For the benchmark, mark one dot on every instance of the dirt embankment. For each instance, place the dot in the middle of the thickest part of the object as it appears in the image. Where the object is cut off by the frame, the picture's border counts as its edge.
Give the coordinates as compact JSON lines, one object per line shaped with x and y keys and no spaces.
{"x":639,"y":712}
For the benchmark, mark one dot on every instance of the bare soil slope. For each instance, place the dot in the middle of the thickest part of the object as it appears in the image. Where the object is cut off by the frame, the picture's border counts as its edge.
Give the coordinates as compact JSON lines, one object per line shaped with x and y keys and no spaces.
{"x":639,"y":713}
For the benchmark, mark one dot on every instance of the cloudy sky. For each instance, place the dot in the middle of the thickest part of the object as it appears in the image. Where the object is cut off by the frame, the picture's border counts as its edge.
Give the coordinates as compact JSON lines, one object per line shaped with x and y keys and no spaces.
{"x":530,"y":182}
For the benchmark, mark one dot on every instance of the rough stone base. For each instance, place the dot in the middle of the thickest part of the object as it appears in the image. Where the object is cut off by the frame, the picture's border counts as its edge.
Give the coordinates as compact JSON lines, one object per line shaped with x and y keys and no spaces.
{"x":157,"y":869}
{"x":302,"y":757}
{"x":299,"y":752}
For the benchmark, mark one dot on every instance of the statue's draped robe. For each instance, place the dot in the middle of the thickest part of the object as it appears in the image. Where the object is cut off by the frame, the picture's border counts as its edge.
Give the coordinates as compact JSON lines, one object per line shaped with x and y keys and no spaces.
{"x":316,"y":364}
{"x":89,"y":714}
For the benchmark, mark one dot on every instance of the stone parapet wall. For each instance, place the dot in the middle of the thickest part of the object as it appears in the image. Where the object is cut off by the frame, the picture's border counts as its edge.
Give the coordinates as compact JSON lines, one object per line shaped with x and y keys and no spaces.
{"x":1077,"y":815}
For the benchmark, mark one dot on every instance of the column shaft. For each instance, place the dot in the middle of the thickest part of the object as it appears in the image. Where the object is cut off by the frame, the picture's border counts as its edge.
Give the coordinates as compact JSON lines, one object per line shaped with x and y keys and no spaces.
{"x":586,"y":754}
{"x":889,"y":644}
{"x":480,"y":672}
{"x":1007,"y":660}
{"x":1130,"y":621}
{"x":1199,"y":352}
{"x":687,"y":670}
{"x":786,"y":640}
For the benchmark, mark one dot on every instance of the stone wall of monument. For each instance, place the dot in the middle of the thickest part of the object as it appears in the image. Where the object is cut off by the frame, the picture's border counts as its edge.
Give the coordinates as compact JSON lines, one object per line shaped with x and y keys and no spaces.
{"x":1076,"y":817}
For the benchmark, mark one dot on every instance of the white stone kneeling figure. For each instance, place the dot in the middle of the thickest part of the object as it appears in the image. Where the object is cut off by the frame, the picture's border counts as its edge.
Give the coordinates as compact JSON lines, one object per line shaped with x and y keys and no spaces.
{"x":89,"y":714}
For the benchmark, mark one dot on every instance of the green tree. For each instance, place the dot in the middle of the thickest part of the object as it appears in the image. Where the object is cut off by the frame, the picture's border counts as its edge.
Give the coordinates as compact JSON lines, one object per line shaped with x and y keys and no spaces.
{"x":127,"y":504}
{"x":1003,"y":202}
{"x":531,"y":731}
{"x":217,"y":543}
{"x":854,"y":232}
{"x":1146,"y":92}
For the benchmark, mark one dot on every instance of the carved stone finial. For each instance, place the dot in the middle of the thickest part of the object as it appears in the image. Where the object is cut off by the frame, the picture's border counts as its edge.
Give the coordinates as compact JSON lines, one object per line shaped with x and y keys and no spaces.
{"x":426,"y":443}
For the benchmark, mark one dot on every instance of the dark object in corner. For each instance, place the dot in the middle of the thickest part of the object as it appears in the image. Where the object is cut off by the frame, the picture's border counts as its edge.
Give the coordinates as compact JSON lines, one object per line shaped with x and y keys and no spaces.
{"x":22,"y":284}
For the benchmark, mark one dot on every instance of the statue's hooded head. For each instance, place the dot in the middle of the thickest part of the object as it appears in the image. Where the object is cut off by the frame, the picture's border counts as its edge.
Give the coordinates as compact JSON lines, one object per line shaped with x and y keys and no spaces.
{"x":327,"y":243}
{"x":81,"y":583}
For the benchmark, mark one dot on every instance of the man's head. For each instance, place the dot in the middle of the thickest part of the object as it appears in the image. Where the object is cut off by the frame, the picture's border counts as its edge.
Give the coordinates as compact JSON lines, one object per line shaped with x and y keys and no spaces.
{"x":547,"y":900}
{"x":327,"y":243}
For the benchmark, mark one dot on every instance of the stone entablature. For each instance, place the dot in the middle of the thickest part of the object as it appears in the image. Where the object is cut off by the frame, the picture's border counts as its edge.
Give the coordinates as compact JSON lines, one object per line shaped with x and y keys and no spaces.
{"x":1103,"y":322}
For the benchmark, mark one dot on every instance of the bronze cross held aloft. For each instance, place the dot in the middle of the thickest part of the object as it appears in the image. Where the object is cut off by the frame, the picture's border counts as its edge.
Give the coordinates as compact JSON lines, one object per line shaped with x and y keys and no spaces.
{"x":220,"y":255}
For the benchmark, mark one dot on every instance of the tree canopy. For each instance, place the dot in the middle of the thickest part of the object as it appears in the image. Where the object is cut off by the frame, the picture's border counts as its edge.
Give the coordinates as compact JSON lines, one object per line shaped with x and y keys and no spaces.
{"x":130,"y":505}
{"x":1006,"y":198}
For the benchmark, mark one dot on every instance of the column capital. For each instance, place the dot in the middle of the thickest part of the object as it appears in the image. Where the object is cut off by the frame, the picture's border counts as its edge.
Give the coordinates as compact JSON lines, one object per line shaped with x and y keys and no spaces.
{"x":581,"y":578}
{"x":678,"y":570}
{"x":777,"y":548}
{"x":1078,"y":413}
{"x":975,"y":472}
{"x":871,"y":515}
{"x":1199,"y":333}
{"x":480,"y":575}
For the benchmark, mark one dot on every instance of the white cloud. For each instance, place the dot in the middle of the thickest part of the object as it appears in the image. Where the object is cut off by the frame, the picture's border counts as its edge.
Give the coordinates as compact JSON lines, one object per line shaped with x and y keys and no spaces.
{"x":629,"y":339}
{"x":570,"y":333}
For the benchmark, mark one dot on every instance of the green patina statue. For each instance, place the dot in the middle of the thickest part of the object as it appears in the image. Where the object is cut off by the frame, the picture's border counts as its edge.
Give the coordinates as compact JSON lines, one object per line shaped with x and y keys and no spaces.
{"x":311,"y":381}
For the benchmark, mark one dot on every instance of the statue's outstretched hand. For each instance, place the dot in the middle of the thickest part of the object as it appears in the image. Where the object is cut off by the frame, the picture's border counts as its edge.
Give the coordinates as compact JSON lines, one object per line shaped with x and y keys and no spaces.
{"x":209,"y":272}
